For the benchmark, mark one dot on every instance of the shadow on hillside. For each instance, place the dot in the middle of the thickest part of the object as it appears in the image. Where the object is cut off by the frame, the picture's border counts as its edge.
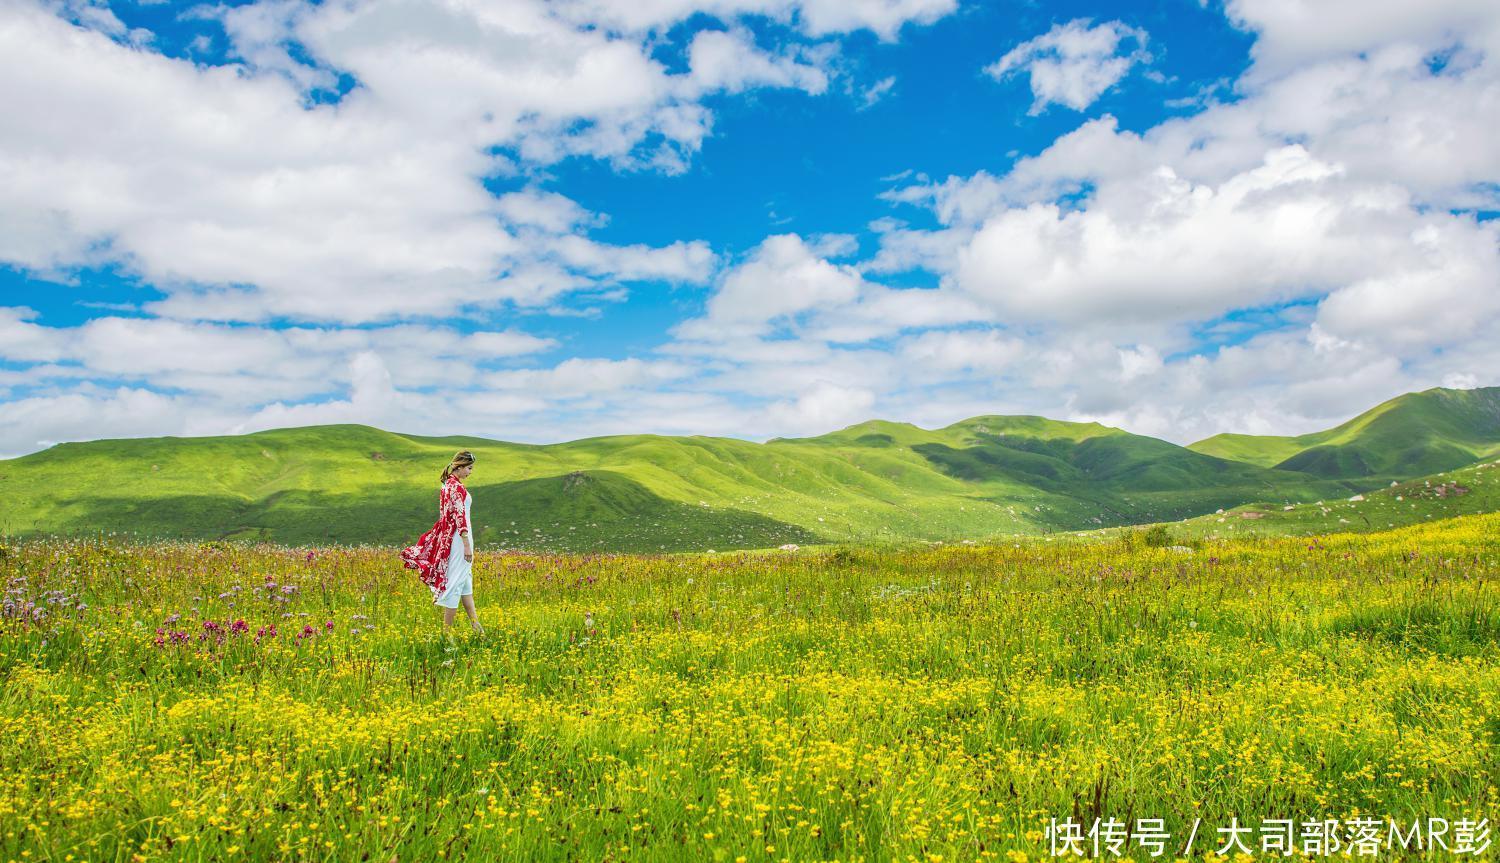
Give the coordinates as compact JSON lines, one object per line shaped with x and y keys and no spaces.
{"x":579,"y":511}
{"x":1125,"y":479}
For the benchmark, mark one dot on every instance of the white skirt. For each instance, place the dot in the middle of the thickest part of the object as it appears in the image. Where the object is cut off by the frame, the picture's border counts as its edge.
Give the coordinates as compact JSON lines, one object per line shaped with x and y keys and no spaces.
{"x":460,"y":578}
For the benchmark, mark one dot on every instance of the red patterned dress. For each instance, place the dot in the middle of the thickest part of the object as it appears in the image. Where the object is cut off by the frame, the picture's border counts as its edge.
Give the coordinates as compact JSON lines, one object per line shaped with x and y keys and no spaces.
{"x":433,"y":553}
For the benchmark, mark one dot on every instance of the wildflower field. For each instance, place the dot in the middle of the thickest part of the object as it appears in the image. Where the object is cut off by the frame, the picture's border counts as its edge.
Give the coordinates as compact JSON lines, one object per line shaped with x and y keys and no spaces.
{"x":224,"y":702}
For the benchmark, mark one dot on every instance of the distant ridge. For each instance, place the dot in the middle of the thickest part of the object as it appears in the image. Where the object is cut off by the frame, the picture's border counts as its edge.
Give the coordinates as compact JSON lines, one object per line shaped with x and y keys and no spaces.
{"x":874,"y":481}
{"x":1411,"y":435}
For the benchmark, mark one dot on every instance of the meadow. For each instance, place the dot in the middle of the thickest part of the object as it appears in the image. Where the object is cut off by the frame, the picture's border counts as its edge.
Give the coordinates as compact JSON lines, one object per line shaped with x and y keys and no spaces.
{"x":222,"y":701}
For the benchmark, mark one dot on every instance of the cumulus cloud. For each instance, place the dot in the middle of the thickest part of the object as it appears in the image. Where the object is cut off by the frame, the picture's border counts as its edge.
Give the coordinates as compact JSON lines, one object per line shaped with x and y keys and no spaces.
{"x":247,"y":365}
{"x":1157,"y":248}
{"x":1293,"y":33}
{"x":822,"y":407}
{"x":1271,"y":264}
{"x":1074,"y":63}
{"x":731,"y":62}
{"x":229,"y":189}
{"x":885,"y":18}
{"x":986,"y":351}
{"x":781,"y":278}
{"x":1332,"y":204}
{"x":578,"y":376}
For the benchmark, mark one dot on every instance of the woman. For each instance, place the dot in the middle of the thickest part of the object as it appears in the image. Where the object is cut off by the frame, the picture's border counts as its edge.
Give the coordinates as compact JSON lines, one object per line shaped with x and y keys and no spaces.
{"x":444,"y":556}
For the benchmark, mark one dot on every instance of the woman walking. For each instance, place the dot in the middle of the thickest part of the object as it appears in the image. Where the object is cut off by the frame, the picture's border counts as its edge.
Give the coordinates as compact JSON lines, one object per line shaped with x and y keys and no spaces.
{"x":444,"y":556}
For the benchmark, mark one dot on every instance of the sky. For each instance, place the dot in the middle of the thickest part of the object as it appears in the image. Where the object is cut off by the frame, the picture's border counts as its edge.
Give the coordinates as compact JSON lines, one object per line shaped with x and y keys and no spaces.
{"x":542,"y":221}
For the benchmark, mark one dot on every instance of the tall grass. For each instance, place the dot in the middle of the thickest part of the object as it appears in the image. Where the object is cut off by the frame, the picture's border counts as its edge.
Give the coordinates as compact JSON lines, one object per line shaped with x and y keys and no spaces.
{"x":894,"y":704}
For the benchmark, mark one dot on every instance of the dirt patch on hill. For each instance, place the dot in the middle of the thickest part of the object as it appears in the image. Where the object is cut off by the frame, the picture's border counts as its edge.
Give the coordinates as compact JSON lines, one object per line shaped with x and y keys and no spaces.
{"x":1441,"y":490}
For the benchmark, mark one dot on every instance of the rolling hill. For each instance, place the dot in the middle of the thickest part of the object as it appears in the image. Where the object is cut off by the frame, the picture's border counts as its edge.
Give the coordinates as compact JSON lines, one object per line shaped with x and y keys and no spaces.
{"x":875,"y":481}
{"x":1468,"y":490}
{"x":1411,"y":435}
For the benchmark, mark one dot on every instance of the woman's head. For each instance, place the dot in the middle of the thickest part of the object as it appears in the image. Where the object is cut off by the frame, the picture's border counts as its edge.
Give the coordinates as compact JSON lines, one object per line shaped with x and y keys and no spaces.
{"x":461,"y":465}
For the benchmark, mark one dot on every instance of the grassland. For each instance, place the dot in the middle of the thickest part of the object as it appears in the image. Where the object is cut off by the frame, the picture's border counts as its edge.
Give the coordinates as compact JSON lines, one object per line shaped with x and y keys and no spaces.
{"x":1413,"y":435}
{"x":876,"y":482}
{"x":1467,"y":491}
{"x":921,"y":703}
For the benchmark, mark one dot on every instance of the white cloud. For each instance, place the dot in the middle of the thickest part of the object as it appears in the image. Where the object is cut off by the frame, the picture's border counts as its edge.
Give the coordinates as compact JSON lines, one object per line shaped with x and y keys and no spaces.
{"x":1158,"y":248}
{"x":1451,"y":297}
{"x":248,"y":365}
{"x":1080,"y":284}
{"x":580,"y":377}
{"x":781,"y":278}
{"x":261,"y":34}
{"x":225,"y":188}
{"x":1293,"y":33}
{"x":1327,"y":183}
{"x":25,"y":341}
{"x":731,"y":62}
{"x":875,"y":92}
{"x":1139,"y":362}
{"x":877,"y":312}
{"x":885,"y":18}
{"x":987,"y":352}
{"x":1074,"y":63}
{"x":823,"y":407}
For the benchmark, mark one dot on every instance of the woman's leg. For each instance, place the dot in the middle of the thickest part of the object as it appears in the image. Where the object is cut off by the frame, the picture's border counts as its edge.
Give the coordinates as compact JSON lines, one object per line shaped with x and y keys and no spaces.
{"x":468,"y":602}
{"x":448,"y":615}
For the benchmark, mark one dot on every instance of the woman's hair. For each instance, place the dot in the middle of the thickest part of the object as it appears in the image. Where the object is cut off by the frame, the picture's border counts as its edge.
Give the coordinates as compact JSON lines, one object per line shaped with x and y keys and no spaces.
{"x":460,"y":458}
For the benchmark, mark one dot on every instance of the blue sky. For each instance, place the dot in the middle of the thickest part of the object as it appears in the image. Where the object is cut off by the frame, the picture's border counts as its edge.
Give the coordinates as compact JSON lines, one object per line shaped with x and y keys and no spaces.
{"x":541,"y":222}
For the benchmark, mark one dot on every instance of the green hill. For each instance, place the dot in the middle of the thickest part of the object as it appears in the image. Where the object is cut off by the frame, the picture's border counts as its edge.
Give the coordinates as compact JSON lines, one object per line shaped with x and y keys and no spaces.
{"x":1411,"y":435}
{"x":981,"y":477}
{"x":1466,"y":491}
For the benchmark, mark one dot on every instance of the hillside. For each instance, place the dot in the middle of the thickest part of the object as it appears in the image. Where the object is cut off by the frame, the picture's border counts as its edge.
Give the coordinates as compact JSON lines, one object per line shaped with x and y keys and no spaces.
{"x":1467,"y":491}
{"x":1411,"y":435}
{"x":981,"y":477}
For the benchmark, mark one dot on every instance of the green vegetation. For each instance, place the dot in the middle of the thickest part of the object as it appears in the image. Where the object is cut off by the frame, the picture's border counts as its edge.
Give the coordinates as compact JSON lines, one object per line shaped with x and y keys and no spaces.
{"x":1409,"y":436}
{"x":239,"y":702}
{"x":1157,"y":536}
{"x":1468,"y":491}
{"x":875,"y":482}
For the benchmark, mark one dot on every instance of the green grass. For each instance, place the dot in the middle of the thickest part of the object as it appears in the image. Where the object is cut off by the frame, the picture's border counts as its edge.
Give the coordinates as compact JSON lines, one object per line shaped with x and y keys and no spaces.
{"x":881,"y":705}
{"x":874,"y":482}
{"x":1467,"y":491}
{"x":1411,"y":435}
